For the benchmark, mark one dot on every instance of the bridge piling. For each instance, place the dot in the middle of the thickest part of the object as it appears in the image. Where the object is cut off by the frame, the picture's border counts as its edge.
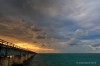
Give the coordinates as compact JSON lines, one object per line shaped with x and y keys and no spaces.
{"x":4,"y":61}
{"x":17,"y":60}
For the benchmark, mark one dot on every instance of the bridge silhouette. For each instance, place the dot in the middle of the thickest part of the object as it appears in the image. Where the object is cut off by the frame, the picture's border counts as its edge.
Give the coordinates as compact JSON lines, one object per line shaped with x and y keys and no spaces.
{"x":19,"y":54}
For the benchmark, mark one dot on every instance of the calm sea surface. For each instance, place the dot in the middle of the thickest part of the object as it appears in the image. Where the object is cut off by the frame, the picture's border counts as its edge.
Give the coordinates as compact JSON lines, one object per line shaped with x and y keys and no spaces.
{"x":68,"y":59}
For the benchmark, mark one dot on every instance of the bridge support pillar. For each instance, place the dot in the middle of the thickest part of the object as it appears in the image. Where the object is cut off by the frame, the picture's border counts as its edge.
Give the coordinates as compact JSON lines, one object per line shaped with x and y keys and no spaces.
{"x":25,"y":57}
{"x":18,"y":60}
{"x":4,"y":61}
{"x":29,"y":56}
{"x":14,"y":60}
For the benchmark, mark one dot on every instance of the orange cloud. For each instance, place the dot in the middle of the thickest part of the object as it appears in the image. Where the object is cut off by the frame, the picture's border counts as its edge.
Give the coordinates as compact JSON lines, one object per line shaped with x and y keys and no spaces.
{"x":27,"y":46}
{"x":32,"y":47}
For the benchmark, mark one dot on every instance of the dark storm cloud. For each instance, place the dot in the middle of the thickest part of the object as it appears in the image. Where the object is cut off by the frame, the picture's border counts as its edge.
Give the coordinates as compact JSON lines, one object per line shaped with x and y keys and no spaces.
{"x":90,"y":37}
{"x":40,"y":37}
{"x":35,"y":28}
{"x":14,"y":7}
{"x":32,"y":20}
{"x":96,"y":45}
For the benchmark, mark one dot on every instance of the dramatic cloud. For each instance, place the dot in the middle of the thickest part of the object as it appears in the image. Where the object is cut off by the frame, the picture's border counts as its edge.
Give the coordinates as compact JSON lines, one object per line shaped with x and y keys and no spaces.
{"x":54,"y":25}
{"x":35,"y":28}
{"x":73,"y":41}
{"x":96,"y":45}
{"x":79,"y":34}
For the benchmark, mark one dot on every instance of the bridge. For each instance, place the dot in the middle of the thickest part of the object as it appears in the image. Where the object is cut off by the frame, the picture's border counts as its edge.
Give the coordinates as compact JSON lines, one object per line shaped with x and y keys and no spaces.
{"x":11,"y":51}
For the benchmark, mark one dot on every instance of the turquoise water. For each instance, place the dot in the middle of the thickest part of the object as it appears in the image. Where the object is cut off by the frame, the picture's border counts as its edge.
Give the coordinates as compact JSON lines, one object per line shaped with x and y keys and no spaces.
{"x":68,"y":59}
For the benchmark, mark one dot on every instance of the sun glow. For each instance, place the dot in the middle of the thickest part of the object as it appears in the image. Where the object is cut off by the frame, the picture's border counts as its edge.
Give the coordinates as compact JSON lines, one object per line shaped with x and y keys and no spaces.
{"x":32,"y":47}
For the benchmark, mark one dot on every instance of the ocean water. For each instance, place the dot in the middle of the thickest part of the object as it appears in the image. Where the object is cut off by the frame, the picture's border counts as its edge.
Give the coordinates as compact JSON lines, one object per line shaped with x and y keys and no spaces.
{"x":67,"y":59}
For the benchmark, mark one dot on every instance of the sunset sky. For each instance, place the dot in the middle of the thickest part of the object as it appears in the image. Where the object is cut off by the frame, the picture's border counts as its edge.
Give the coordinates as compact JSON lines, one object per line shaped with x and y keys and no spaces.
{"x":52,"y":26}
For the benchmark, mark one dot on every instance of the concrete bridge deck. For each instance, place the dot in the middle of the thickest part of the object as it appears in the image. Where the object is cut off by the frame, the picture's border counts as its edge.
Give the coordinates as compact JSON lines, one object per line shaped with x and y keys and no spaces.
{"x":9,"y":50}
